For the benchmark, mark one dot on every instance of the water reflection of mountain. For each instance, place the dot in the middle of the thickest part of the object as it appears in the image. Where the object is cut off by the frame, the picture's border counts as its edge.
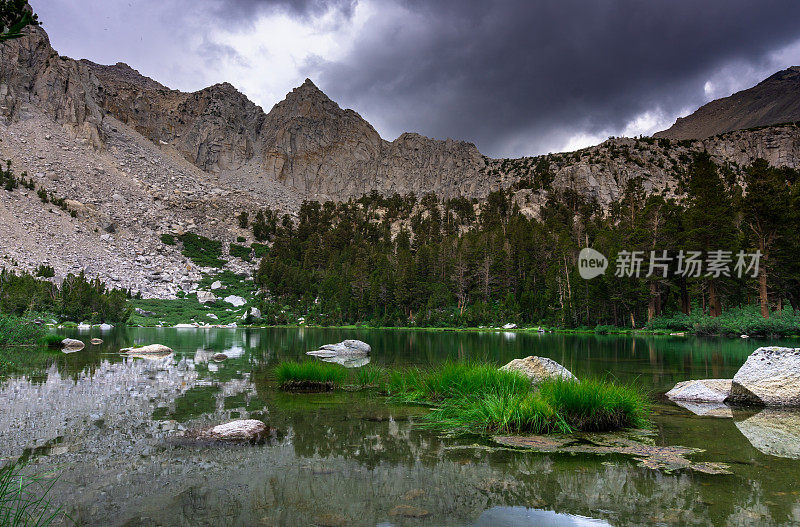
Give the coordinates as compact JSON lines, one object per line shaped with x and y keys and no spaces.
{"x":108,"y":429}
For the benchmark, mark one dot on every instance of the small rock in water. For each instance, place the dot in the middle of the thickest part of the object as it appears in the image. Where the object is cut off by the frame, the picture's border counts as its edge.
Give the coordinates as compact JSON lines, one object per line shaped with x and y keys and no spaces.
{"x":219,"y":357}
{"x":72,"y":344}
{"x":152,"y":348}
{"x":344,"y":348}
{"x":251,"y":430}
{"x":96,"y":341}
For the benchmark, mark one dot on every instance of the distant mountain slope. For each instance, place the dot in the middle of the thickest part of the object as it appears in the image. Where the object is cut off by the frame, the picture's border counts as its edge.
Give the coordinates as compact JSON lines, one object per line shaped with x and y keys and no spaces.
{"x":774,"y":100}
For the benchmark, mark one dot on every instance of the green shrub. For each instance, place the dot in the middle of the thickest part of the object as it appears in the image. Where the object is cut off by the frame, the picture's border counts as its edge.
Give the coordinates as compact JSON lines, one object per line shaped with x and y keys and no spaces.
{"x":167,"y":239}
{"x":16,"y":330}
{"x":45,"y":271}
{"x":203,"y":251}
{"x":260,"y":250}
{"x":240,"y":251}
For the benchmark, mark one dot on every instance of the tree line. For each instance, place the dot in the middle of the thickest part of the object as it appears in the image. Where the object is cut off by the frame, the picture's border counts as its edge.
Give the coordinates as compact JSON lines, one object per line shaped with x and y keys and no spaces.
{"x":400,"y":260}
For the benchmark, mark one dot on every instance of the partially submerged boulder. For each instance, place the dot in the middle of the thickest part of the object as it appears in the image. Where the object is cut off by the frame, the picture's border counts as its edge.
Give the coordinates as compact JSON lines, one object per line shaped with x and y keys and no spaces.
{"x":72,"y":344}
{"x":539,"y":369}
{"x":769,"y":377}
{"x":219,"y":357}
{"x":96,"y":341}
{"x":144,"y":350}
{"x":704,"y":390}
{"x":243,"y":430}
{"x":344,"y":348}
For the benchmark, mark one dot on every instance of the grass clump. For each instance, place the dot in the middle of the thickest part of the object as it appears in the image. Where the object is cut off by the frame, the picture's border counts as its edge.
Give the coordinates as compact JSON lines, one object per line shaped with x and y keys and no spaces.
{"x":240,"y":251}
{"x":479,"y":398}
{"x":24,"y":499}
{"x":309,"y":375}
{"x":454,"y":379}
{"x":557,"y":406}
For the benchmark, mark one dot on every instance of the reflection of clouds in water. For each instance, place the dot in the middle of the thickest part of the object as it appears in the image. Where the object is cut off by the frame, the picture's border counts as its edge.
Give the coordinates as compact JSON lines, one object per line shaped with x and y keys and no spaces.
{"x":234,"y":352}
{"x":512,"y":516}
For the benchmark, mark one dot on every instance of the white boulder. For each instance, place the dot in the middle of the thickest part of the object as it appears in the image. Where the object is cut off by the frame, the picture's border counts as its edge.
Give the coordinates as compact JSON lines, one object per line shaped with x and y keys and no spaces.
{"x":539,"y":369}
{"x":206,"y":297}
{"x":235,"y":301}
{"x":769,"y":377}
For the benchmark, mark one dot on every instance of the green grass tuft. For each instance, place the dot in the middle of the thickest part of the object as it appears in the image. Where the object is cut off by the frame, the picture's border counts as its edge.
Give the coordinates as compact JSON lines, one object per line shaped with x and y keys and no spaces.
{"x":454,"y":379}
{"x":310,"y":371}
{"x":24,"y":499}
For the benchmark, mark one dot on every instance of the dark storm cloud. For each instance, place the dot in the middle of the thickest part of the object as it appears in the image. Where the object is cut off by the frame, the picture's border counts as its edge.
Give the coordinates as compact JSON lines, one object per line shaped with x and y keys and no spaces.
{"x":243,"y":9}
{"x":519,"y":76}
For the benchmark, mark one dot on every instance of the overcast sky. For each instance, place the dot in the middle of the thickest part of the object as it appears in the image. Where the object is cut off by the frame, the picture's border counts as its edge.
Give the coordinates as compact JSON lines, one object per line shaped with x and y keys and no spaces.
{"x":516,"y":77}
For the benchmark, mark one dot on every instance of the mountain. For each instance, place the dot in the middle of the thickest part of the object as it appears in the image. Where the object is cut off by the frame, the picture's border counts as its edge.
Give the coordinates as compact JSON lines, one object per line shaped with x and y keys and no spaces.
{"x":135,"y":160}
{"x":774,"y":100}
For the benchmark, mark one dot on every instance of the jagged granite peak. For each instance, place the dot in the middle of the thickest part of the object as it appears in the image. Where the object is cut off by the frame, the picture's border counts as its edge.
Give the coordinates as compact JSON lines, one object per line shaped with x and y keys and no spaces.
{"x":311,"y":147}
{"x":775,"y":100}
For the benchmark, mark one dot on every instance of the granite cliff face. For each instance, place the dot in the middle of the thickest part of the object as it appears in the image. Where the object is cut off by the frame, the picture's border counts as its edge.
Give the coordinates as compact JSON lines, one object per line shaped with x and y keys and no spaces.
{"x":775,"y":100}
{"x":312,"y":148}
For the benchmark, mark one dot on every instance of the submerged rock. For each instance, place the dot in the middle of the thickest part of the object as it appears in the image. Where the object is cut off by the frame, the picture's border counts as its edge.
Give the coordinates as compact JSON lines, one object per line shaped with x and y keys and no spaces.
{"x":243,"y":430}
{"x":539,"y":369}
{"x":667,"y":458}
{"x":705,"y":390}
{"x":706,"y":409}
{"x":344,"y":348}
{"x":409,"y":511}
{"x":72,"y":345}
{"x":773,"y":431}
{"x":144,"y":350}
{"x":769,"y":377}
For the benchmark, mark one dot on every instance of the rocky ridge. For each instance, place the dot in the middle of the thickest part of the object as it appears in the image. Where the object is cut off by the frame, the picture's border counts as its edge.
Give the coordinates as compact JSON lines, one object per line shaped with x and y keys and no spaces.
{"x":774,"y":100}
{"x":137,"y":160}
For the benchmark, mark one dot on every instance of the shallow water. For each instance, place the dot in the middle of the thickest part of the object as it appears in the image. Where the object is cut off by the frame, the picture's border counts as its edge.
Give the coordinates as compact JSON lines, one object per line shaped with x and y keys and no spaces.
{"x":106,"y":425}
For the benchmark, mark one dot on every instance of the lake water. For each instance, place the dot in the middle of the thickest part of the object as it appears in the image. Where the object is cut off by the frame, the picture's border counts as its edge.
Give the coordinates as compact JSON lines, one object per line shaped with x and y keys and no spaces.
{"x":106,"y":425}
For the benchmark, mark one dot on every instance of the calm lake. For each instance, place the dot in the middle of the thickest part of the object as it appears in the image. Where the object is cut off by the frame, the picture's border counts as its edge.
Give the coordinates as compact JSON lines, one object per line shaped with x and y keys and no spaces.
{"x":106,"y":425}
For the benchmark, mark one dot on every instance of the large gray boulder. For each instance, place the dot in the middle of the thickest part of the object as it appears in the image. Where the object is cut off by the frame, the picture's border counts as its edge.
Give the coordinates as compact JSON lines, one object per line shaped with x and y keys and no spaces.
{"x":704,"y":390}
{"x":539,"y":369}
{"x":769,"y":377}
{"x":345,"y":348}
{"x":773,"y":431}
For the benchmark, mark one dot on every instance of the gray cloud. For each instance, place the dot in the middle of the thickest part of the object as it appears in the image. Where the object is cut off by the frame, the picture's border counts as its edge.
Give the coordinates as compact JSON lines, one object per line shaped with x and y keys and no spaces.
{"x":514,"y":76}
{"x":521,"y":77}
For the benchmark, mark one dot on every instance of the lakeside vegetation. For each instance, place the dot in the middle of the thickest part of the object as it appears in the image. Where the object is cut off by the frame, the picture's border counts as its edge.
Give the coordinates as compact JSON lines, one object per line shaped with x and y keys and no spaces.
{"x":399,"y":261}
{"x":479,"y":398}
{"x":24,"y":500}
